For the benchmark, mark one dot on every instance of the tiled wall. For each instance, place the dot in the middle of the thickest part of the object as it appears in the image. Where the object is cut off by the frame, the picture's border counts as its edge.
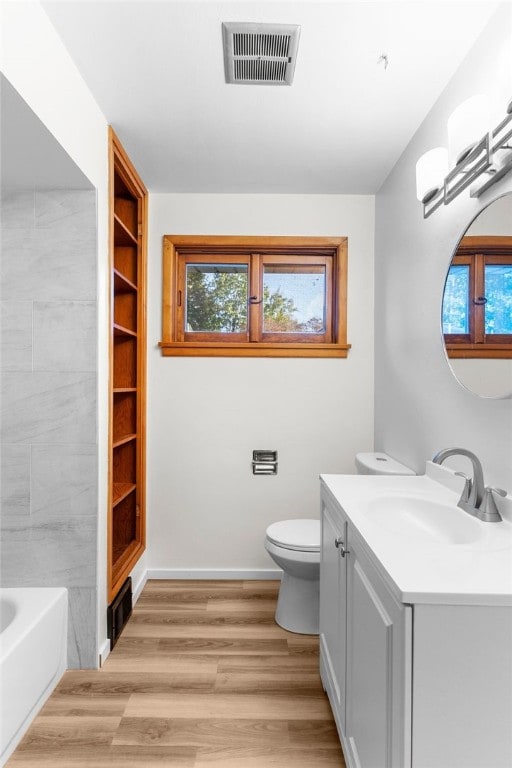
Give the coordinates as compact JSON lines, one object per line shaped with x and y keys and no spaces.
{"x":48,"y":400}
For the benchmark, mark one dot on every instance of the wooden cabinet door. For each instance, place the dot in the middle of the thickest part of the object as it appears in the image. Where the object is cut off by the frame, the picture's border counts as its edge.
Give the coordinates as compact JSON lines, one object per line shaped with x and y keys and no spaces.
{"x":333,"y":587}
{"x":378,"y":657}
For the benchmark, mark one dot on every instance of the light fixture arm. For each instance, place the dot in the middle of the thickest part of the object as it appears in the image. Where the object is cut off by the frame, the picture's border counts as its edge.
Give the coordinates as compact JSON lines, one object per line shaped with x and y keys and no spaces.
{"x":482,"y":158}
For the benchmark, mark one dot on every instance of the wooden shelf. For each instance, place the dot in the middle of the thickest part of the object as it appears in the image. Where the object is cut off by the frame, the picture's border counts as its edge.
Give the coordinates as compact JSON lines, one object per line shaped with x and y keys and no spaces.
{"x":121,"y":283}
{"x":120,"y":330}
{"x":123,"y":440}
{"x":126,"y":262}
{"x":120,"y":491}
{"x":122,"y":235}
{"x":126,"y":209}
{"x":124,"y":558}
{"x":128,"y":228}
{"x":126,"y":310}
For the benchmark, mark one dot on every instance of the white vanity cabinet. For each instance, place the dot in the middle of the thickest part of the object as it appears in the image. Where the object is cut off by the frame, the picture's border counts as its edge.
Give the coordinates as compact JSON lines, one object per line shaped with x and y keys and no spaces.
{"x":365,"y":642}
{"x":416,"y":678}
{"x":378,"y":659}
{"x":333,"y":610}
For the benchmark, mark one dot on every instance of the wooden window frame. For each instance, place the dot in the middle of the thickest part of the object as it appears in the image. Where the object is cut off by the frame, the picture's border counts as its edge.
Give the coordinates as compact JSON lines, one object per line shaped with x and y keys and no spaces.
{"x":477,"y":252}
{"x":332,"y":252}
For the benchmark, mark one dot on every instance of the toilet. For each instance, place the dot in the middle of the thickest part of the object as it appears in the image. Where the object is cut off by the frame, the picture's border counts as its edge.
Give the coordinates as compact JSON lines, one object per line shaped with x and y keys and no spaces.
{"x":294,"y":545}
{"x":380,"y":464}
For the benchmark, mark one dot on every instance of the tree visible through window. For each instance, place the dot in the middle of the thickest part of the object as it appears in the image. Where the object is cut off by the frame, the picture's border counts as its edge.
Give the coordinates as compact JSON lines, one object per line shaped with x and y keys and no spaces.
{"x":277,"y":293}
{"x":216,"y":298}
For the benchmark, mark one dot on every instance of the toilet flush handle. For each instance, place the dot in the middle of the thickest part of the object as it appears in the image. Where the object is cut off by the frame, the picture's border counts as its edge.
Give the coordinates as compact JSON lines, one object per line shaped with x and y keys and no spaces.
{"x":340,"y":544}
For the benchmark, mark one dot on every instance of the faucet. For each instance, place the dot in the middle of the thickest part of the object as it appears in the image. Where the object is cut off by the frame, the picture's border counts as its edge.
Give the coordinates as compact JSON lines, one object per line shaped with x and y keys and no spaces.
{"x":476,"y":498}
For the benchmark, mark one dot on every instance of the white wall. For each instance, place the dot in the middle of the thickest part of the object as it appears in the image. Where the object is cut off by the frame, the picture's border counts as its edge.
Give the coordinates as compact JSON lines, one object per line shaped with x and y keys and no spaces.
{"x":419,"y":406}
{"x":206,"y":415}
{"x":37,"y":64}
{"x":494,"y":220}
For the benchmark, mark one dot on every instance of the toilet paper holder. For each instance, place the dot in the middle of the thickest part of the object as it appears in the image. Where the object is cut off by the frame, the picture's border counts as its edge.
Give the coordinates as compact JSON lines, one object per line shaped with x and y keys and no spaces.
{"x":264,"y":462}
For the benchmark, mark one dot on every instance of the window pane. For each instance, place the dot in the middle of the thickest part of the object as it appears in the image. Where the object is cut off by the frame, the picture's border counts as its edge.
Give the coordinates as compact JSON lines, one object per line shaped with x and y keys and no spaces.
{"x":216,"y":298}
{"x":498,"y":291}
{"x":294,"y":299}
{"x":456,"y":300}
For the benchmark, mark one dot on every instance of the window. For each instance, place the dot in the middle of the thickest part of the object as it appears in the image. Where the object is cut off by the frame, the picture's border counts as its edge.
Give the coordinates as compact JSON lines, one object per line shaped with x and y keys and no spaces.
{"x":254,"y":296}
{"x":477,"y":303}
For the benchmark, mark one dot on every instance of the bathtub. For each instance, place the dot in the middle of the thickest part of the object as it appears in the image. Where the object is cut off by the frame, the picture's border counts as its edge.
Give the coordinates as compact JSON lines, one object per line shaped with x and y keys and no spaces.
{"x":33,"y":650}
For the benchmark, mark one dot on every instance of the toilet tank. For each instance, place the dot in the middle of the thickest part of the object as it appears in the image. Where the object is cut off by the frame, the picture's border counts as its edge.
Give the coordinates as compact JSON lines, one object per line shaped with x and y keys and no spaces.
{"x":380,"y":464}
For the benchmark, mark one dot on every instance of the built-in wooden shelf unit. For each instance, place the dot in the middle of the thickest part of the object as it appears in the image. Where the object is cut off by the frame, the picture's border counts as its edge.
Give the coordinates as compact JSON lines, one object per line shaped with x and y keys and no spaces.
{"x":128,"y":228}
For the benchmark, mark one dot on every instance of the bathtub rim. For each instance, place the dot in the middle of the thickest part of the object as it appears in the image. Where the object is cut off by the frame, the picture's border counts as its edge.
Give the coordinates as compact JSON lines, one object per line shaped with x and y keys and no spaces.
{"x":26,"y":618}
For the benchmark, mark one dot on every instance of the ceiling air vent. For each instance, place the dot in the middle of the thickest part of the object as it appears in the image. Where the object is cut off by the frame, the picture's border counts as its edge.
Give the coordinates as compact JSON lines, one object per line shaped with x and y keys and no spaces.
{"x":260,"y":54}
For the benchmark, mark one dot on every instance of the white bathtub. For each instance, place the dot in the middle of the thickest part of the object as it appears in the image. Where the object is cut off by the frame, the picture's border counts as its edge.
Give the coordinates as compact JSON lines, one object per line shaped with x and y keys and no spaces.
{"x":33,"y":651}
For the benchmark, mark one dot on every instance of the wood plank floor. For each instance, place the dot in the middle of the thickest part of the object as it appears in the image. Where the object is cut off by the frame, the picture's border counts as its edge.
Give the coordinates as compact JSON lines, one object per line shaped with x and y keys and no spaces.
{"x":202,"y":677}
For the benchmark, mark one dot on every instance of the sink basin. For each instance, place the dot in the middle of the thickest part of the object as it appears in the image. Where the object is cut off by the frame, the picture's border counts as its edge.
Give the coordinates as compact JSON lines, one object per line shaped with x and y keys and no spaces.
{"x":423,"y":518}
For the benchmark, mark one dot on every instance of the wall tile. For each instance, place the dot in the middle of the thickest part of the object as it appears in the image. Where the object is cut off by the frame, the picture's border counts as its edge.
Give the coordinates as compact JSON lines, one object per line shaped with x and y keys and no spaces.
{"x":65,"y":336}
{"x":15,"y":485}
{"x":82,"y":652}
{"x":48,"y":408}
{"x":16,"y":335}
{"x":17,"y":208}
{"x":48,"y":419}
{"x":75,"y":209}
{"x":64,"y":480}
{"x":17,"y":249}
{"x":49,"y":265}
{"x":50,"y":551}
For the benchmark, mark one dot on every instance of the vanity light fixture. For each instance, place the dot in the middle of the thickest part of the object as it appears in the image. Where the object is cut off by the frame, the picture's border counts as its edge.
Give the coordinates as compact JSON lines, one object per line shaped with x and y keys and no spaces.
{"x":430,"y":169}
{"x":465,"y":126}
{"x":474,"y":150}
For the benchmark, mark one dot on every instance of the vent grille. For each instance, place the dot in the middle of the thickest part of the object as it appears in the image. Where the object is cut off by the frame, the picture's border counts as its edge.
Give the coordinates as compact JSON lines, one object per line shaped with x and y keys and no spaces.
{"x":261,"y":45}
{"x":258,"y":54}
{"x":262,"y":71}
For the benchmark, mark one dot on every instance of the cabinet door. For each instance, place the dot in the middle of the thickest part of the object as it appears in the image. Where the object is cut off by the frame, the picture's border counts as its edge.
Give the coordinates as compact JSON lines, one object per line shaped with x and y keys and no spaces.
{"x":378,"y":657}
{"x":333,"y":587}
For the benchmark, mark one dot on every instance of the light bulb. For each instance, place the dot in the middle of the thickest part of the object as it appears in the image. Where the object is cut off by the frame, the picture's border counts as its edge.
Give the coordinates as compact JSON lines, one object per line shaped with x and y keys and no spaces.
{"x":431,"y":169}
{"x":466,"y":126}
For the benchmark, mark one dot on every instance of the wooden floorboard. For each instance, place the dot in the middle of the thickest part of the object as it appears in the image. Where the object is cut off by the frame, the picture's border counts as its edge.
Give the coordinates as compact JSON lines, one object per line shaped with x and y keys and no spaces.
{"x":202,"y":677}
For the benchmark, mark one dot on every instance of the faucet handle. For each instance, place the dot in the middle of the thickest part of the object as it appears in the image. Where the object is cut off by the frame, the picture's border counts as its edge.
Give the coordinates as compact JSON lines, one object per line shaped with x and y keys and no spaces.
{"x":467,"y":487}
{"x":488,"y":510}
{"x":499,"y":491}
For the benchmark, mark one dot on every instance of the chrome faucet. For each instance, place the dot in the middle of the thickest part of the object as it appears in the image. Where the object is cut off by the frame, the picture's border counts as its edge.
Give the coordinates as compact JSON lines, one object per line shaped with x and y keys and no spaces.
{"x":476,"y":498}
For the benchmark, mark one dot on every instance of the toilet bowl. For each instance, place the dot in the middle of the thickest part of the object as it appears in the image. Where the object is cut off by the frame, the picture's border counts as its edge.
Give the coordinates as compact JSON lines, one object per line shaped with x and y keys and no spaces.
{"x":294,"y":545}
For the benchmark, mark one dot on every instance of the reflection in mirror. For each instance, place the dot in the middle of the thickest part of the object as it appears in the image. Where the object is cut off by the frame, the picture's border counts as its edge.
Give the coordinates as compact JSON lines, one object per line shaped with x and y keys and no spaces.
{"x":477,"y":303}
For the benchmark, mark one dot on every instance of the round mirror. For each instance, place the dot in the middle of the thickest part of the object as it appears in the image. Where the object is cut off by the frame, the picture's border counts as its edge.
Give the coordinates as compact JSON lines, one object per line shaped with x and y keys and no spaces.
{"x":477,"y":303}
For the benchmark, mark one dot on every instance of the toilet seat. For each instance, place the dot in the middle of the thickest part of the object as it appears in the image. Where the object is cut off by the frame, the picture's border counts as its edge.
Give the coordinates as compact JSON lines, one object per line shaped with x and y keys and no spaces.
{"x":298,"y":535}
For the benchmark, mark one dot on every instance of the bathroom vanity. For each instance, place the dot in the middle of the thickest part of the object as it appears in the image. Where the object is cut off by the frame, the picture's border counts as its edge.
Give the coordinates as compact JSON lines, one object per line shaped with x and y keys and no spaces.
{"x":415,"y":623}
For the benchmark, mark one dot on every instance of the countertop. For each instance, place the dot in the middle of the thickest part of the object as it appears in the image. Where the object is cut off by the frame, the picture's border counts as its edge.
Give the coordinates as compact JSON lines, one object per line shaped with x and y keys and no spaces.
{"x":416,"y":568}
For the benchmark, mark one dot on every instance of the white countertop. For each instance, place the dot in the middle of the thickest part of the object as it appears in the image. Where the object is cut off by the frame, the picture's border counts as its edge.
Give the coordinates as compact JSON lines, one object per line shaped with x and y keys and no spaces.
{"x":419,"y":569}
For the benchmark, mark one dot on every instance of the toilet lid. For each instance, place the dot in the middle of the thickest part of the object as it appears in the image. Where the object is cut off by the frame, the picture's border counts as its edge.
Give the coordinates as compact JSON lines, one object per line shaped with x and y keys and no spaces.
{"x":303,"y":535}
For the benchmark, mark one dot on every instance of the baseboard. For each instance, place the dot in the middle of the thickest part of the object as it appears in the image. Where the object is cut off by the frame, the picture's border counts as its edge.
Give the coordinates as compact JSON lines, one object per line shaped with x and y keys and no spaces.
{"x":104,"y":651}
{"x":139,"y":586}
{"x":212,"y":573}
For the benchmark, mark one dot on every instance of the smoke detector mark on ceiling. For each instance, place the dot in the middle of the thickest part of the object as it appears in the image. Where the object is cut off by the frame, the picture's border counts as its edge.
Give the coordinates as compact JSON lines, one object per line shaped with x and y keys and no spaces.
{"x":260,"y":54}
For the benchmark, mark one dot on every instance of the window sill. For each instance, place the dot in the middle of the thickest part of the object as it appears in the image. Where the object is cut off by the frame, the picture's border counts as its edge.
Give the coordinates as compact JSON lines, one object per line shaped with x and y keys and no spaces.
{"x":243,"y":349}
{"x":475,"y":351}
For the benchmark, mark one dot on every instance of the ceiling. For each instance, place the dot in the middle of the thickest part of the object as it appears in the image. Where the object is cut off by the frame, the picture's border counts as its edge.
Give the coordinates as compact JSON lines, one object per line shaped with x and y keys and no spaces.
{"x":156,"y":69}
